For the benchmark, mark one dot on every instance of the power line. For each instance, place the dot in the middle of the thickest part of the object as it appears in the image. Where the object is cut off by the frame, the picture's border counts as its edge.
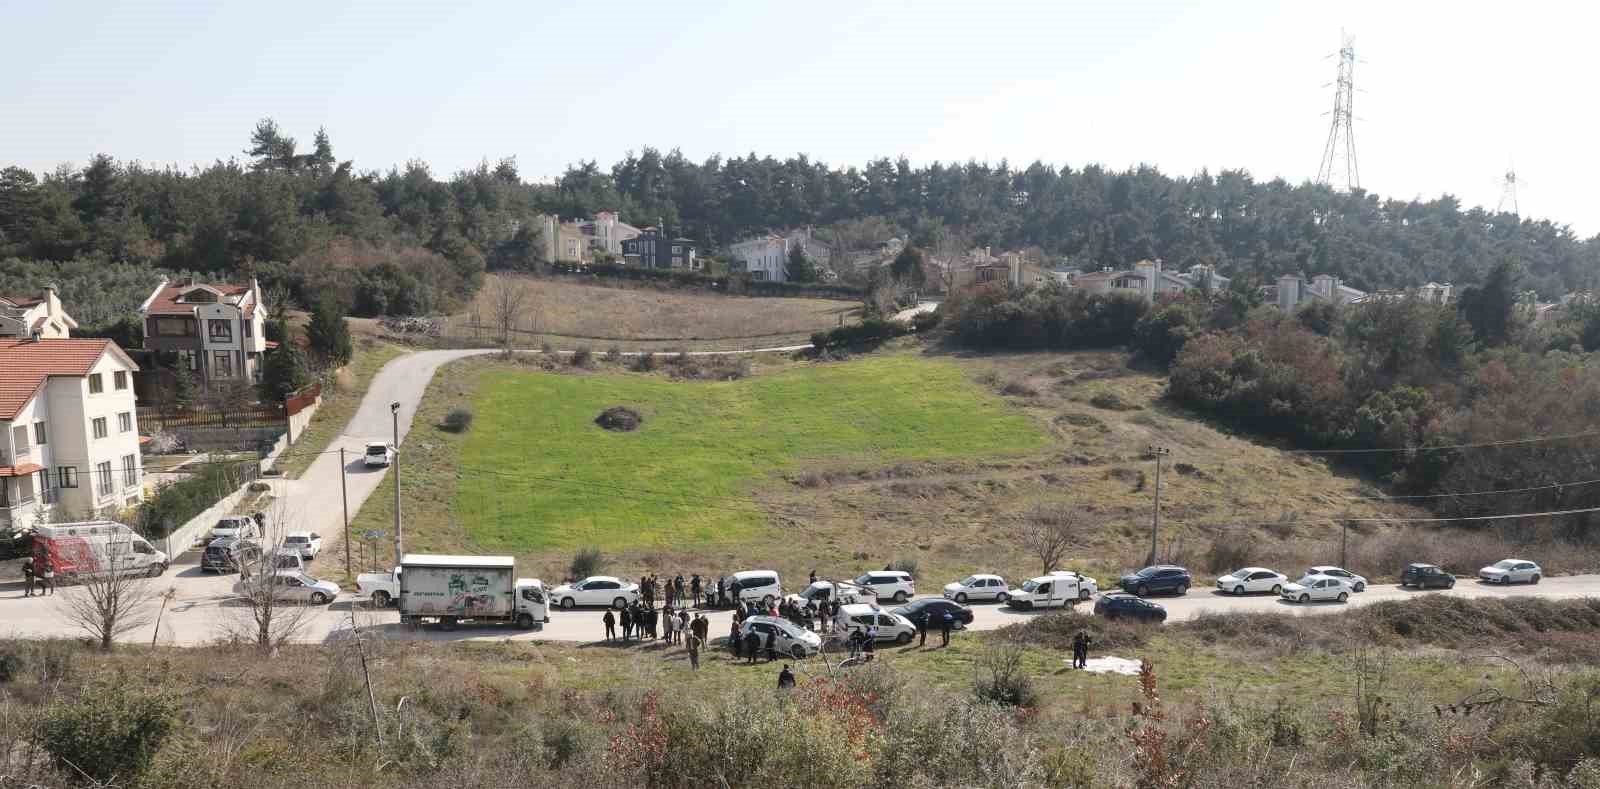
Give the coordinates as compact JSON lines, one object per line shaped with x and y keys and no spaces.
{"x":1478,"y":445}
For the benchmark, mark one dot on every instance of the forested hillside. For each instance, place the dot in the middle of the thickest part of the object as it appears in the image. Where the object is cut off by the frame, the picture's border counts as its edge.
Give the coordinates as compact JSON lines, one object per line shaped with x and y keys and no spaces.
{"x":409,"y":240}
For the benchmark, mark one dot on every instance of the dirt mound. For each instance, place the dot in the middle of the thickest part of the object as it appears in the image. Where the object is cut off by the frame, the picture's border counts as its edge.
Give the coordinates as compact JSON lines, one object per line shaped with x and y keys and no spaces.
{"x":620,"y":418}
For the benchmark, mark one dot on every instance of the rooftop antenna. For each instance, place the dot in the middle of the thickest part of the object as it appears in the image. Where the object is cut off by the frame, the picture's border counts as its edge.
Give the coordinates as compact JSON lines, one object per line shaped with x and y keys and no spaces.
{"x":1339,"y":166}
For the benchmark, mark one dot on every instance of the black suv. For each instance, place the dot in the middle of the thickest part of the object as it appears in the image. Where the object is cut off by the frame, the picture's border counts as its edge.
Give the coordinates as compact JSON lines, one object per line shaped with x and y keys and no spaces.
{"x":929,"y":612}
{"x":1423,"y":576}
{"x":229,"y":554}
{"x":1119,"y":606}
{"x":1157,"y":578}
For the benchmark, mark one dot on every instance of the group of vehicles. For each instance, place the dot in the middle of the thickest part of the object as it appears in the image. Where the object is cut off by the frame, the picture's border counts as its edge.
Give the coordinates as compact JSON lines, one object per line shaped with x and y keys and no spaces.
{"x":237,"y":545}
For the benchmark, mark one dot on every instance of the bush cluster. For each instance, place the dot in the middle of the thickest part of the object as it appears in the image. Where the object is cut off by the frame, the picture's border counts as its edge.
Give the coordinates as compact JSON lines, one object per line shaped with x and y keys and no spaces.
{"x":732,"y":283}
{"x":109,"y":732}
{"x":866,"y":334}
{"x":1053,"y":316}
{"x":458,"y":420}
{"x":174,"y":503}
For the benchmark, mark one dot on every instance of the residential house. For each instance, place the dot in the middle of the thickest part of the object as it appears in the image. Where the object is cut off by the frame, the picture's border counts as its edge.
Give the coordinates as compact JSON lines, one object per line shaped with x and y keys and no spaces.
{"x":652,"y":249}
{"x":564,"y":242}
{"x":606,"y":232}
{"x":766,"y":257}
{"x":216,"y":330}
{"x":69,"y":431}
{"x":1149,"y":280}
{"x":1293,"y":291}
{"x":980,"y":267}
{"x":30,"y":316}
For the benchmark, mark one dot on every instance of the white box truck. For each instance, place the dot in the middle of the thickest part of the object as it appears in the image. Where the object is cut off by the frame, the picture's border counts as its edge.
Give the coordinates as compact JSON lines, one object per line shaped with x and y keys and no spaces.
{"x":95,"y":548}
{"x":450,"y":589}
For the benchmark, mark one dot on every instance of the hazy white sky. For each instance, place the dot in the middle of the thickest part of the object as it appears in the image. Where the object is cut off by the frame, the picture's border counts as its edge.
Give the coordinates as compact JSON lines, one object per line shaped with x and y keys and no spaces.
{"x":1452,"y":92}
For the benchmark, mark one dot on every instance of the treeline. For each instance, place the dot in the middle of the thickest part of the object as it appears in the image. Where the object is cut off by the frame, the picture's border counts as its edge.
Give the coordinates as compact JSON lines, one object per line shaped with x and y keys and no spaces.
{"x":1404,"y":377}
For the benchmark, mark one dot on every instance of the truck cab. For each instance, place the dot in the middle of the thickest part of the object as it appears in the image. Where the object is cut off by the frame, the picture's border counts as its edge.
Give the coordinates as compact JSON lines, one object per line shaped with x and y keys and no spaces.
{"x":1058,"y":589}
{"x":533,"y":606}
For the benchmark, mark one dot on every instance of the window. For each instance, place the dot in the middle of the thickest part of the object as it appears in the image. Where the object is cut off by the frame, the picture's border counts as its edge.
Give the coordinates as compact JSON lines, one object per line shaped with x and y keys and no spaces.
{"x":174,"y":327}
{"x":102,"y":478}
{"x":222,"y":364}
{"x":677,"y":249}
{"x":247,"y":328}
{"x":99,"y":427}
{"x":95,"y":386}
{"x":19,"y":441}
{"x":68,"y":475}
{"x":130,"y":471}
{"x":46,"y":493}
{"x":220,"y":330}
{"x":125,"y":422}
{"x":38,"y":433}
{"x":119,"y":379}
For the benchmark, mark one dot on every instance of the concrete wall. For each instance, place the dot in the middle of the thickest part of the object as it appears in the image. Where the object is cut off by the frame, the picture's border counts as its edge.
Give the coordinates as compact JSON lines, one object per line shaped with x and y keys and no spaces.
{"x":298,"y":421}
{"x":213,"y":439}
{"x":189,"y":534}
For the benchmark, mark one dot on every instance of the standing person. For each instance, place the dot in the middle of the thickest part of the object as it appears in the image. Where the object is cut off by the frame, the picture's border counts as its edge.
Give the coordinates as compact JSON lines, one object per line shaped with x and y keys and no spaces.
{"x":49,"y":581}
{"x":722,"y":593}
{"x":922,"y":624}
{"x":668,"y":622}
{"x":683,"y":623}
{"x":27,"y":578}
{"x":871,"y":641}
{"x":733,"y":638}
{"x":752,"y":645}
{"x":667,"y":595}
{"x":772,"y":646}
{"x":627,"y":622}
{"x":694,"y":590}
{"x":611,"y":625}
{"x":644,"y":588}
{"x":1080,"y":650}
{"x":945,"y":623}
{"x":677,"y":586}
{"x":694,"y":642}
{"x":653,"y":617}
{"x":785,"y":678}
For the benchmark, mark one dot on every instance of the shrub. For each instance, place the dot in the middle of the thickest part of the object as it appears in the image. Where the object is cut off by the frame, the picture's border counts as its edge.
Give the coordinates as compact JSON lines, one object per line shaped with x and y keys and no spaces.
{"x":174,"y":503}
{"x":711,"y":368}
{"x":1054,"y":316}
{"x":1002,"y":679}
{"x":866,"y":334}
{"x":614,"y":353}
{"x":645,"y":362}
{"x":1019,"y":389}
{"x":547,"y":349}
{"x":619,"y":418}
{"x":582,"y":358}
{"x":458,"y":420}
{"x":925,"y":321}
{"x":905,"y":566}
{"x":1229,"y":552}
{"x":586,"y":562}
{"x":1111,"y":401}
{"x":109,"y":732}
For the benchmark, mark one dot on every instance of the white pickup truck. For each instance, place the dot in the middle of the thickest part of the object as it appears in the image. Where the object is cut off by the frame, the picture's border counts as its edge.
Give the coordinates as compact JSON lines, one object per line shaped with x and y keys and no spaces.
{"x":381,"y":588}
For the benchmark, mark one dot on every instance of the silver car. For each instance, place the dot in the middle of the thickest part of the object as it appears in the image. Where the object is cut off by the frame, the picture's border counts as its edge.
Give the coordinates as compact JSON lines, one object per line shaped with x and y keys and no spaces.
{"x":1508,"y":571}
{"x":292,"y":586}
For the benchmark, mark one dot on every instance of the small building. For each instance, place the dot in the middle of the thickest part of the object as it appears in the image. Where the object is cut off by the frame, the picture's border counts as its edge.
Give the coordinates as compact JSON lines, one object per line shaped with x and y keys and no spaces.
{"x":35,"y":316}
{"x":216,"y":330}
{"x":69,"y":431}
{"x":1149,"y":280}
{"x":765,"y":258}
{"x":1293,"y":291}
{"x":652,"y":249}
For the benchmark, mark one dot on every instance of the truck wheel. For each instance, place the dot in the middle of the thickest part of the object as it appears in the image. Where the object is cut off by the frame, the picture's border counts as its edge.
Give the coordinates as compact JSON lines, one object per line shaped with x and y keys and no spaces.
{"x":1343,"y":596}
{"x":447,"y":622}
{"x":1183,"y":589}
{"x":619,"y":604}
{"x":318,"y":598}
{"x":1305,"y":598}
{"x":1360,"y":587}
{"x":525,"y":621}
{"x":1142,"y":591}
{"x":380,"y":599}
{"x":1238,"y":590}
{"x":567,"y":603}
{"x":1535,"y":579}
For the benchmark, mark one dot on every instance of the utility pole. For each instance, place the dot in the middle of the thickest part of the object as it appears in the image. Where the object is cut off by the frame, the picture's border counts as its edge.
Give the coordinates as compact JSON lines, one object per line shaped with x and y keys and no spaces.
{"x":344,"y":496}
{"x":1155,"y":519}
{"x":1344,"y":544}
{"x":399,"y":540}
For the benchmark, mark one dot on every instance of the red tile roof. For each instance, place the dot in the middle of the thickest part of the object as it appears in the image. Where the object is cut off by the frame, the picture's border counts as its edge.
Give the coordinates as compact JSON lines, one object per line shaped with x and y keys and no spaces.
{"x":26,"y":364}
{"x":20,"y":470}
{"x":166,"y":302}
{"x":22,"y":301}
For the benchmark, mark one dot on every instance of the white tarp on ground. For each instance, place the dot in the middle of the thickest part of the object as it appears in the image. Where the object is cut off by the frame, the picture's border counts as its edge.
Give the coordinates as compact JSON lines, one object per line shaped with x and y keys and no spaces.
{"x":1110,"y":665}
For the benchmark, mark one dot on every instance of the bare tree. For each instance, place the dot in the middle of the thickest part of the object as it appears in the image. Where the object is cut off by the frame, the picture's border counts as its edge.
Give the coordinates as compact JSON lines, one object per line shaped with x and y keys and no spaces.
{"x":507,"y":303}
{"x":267,"y":611}
{"x":1047,"y":534}
{"x":113,"y":601}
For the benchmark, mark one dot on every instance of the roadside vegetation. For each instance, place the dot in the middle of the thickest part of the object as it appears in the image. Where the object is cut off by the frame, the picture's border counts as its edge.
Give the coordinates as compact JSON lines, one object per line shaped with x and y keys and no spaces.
{"x":341,"y":396}
{"x":1405,"y":695}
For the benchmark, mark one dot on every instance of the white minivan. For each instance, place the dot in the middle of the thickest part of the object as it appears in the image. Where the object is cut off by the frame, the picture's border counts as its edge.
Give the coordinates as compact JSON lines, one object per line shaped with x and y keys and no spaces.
{"x":378,"y":454}
{"x":896,"y":585}
{"x":749,"y":585}
{"x":1060,"y":588}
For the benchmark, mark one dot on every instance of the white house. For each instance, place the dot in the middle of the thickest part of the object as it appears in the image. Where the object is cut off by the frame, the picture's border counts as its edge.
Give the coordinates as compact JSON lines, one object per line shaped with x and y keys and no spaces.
{"x":26,"y":316}
{"x":764,"y":258}
{"x":69,"y":431}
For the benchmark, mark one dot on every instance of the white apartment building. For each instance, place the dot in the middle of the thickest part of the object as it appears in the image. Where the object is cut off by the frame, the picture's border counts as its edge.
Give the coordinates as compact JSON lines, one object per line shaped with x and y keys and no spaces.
{"x":69,"y":430}
{"x":27,"y":316}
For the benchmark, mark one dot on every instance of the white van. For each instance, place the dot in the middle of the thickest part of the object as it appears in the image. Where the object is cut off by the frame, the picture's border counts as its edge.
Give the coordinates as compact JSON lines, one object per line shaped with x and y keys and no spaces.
{"x":92,"y":548}
{"x":896,"y":585}
{"x":747,"y":585}
{"x":891,"y":626}
{"x":1060,"y":588}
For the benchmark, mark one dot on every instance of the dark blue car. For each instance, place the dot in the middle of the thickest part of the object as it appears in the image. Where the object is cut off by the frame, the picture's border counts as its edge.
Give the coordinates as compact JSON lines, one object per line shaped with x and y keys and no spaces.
{"x":1122,"y":606}
{"x":1158,"y":578}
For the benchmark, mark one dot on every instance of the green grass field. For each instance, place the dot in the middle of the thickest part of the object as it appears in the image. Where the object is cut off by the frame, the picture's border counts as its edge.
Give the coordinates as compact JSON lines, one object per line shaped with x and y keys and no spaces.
{"x":536,"y":472}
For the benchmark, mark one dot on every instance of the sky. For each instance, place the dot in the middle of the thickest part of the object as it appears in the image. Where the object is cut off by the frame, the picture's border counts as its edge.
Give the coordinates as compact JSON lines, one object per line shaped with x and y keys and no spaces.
{"x":1450,"y":95}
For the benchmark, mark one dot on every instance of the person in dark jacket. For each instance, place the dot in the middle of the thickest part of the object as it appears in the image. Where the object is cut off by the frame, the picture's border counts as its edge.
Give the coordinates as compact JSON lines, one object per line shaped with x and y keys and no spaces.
{"x":785,"y":678}
{"x":946,"y":622}
{"x":734,"y":640}
{"x":694,"y":589}
{"x":611,"y":625}
{"x":627,"y":622}
{"x":27,"y":578}
{"x":922,"y":630}
{"x":722,"y":593}
{"x":772,"y":646}
{"x":752,"y":645}
{"x":1080,"y":650}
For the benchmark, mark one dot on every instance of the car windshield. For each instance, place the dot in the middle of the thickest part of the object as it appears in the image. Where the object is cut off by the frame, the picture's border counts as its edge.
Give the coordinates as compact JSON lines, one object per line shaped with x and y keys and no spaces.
{"x":971,"y":580}
{"x":1505,"y":564}
{"x":1030,"y":586}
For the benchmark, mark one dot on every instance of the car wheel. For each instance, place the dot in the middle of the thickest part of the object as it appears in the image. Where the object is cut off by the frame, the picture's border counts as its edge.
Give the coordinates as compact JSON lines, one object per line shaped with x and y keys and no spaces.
{"x":903,"y":639}
{"x":568,"y":603}
{"x":1183,"y":589}
{"x":1083,"y":594}
{"x":156,"y":570}
{"x":900,"y":597}
{"x":1450,"y":585}
{"x":1305,"y":598}
{"x":1142,"y":591}
{"x":1360,"y":587}
{"x":619,"y":603}
{"x":1277,"y":588}
{"x":1534,"y":579}
{"x":1343,"y":597}
{"x":1003,"y":597}
{"x":380,"y":599}
{"x":525,"y":621}
{"x":318,"y":598}
{"x":1238,"y":590}
{"x":961,"y":597}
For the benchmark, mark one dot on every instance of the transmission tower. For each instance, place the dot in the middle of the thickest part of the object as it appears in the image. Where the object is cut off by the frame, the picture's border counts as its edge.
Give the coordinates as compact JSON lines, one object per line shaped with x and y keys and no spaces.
{"x":1339,"y":155}
{"x":1508,"y":193}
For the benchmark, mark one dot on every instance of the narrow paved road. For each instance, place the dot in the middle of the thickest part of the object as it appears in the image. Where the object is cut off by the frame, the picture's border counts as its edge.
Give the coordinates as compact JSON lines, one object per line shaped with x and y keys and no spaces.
{"x":201,"y":612}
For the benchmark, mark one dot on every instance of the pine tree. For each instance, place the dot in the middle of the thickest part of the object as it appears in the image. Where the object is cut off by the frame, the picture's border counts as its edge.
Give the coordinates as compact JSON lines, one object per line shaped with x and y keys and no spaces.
{"x":800,"y":268}
{"x":328,"y":335}
{"x":321,"y":157}
{"x":284,"y":373}
{"x":184,"y":387}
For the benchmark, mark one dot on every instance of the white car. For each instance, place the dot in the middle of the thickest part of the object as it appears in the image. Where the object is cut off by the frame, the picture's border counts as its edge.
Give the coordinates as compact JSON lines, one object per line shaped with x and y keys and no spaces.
{"x":788,"y":638}
{"x":978,"y":587}
{"x":822,"y":591}
{"x":1316,"y":588}
{"x":891,"y":626}
{"x":896,"y":585}
{"x":1508,"y":571}
{"x":596,"y":590}
{"x":1357,"y":583}
{"x":378,"y":454}
{"x":309,"y":544}
{"x":1252,"y":579}
{"x":242,"y":527}
{"x":748,"y":585}
{"x":292,"y":586}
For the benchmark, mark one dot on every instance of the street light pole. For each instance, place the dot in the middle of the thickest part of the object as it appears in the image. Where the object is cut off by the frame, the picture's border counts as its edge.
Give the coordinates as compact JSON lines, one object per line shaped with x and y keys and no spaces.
{"x":1155,"y":518}
{"x":344,"y":497}
{"x":399,"y":539}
